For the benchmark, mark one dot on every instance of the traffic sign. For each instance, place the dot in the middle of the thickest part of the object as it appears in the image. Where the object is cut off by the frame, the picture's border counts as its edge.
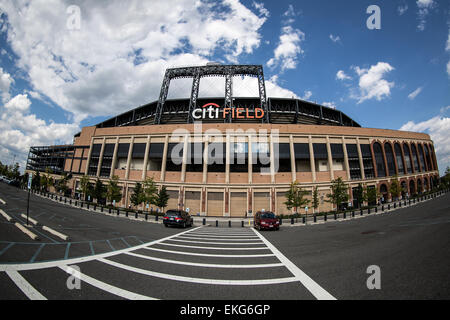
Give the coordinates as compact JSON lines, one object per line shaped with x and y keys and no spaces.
{"x":30,"y":179}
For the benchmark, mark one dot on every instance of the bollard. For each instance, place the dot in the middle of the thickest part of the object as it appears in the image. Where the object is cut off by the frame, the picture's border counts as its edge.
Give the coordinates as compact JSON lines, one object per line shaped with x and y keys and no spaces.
{"x":335,"y":216}
{"x":353,"y":213}
{"x":389,"y":206}
{"x":400,"y":204}
{"x":395,"y":205}
{"x":95,"y":207}
{"x":376,"y":209}
{"x":88,"y":206}
{"x":409,"y":202}
{"x":345,"y":215}
{"x":292,"y":220}
{"x":156,"y":217}
{"x":304,"y":220}
{"x":204,"y":221}
{"x":126,"y":213}
{"x":368,"y":211}
{"x":281,"y":221}
{"x":382,"y":207}
{"x":136,"y":215}
{"x":118,"y":212}
{"x":65,"y":200}
{"x":146,"y":216}
{"x":361,"y":212}
{"x":81,"y":204}
{"x":70,"y":201}
{"x":325,"y":217}
{"x":101,"y":209}
{"x":217,"y":223}
{"x":229,"y":223}
{"x":315,"y":218}
{"x":242,"y":224}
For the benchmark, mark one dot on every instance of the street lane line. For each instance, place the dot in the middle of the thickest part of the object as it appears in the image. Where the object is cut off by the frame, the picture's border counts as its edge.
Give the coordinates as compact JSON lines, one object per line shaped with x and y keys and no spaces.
{"x":207,"y":235}
{"x":104,"y":286}
{"x":213,"y":255}
{"x":318,"y":292}
{"x":211,"y":238}
{"x":207,"y":265}
{"x":7,"y":247}
{"x":57,"y":263}
{"x":56,"y":233}
{"x":213,"y":248}
{"x":25,"y":286}
{"x":26,"y":231}
{"x":229,"y":243}
{"x":198,"y":280}
{"x":23,"y":215}
{"x":3,"y":202}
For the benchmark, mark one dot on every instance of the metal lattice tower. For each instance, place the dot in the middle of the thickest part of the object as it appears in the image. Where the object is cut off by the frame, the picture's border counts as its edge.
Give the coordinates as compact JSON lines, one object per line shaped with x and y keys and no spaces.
{"x":227,"y":71}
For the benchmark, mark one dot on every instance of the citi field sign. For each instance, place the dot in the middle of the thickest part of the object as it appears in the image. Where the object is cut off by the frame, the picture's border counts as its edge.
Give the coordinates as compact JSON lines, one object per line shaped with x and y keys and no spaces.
{"x":214,"y":111}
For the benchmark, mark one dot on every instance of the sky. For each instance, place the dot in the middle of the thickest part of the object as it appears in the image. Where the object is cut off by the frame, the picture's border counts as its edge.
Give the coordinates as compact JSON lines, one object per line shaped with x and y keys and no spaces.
{"x":69,"y":64}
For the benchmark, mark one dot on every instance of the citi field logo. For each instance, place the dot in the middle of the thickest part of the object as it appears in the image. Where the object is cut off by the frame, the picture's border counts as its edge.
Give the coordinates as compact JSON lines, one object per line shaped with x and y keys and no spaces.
{"x":214,"y":111}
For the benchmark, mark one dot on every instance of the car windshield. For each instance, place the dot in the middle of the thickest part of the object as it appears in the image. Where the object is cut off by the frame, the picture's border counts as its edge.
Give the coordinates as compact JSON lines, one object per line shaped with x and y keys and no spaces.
{"x":268,"y":215}
{"x":173,"y":213}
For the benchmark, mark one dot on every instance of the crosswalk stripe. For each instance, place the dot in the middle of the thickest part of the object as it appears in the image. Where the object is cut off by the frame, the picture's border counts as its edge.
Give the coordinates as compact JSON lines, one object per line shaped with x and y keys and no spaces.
{"x":213,"y":255}
{"x":25,"y":286}
{"x":198,"y":280}
{"x":207,"y":265}
{"x":104,"y":286}
{"x":205,"y":242}
{"x":213,"y":248}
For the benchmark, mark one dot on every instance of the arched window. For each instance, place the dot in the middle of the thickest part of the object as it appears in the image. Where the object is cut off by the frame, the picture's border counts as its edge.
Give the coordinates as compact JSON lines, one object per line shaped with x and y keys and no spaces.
{"x":422,"y":158}
{"x":379,"y":160}
{"x":390,"y":158}
{"x":412,"y":187}
{"x":398,"y":156}
{"x":408,"y":158}
{"x":427,"y":155}
{"x":433,"y":157}
{"x":415,"y":158}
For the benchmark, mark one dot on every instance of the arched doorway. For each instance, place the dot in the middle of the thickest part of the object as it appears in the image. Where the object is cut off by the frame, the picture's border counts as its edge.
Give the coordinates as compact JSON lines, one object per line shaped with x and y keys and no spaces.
{"x":425,"y":185}
{"x":404,"y":189}
{"x":384,"y":193}
{"x":419,"y":186}
{"x":412,"y":187}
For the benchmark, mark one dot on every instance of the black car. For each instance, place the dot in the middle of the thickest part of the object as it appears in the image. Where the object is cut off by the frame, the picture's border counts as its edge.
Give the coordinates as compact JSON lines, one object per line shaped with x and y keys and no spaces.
{"x":178,"y":218}
{"x":14,"y":183}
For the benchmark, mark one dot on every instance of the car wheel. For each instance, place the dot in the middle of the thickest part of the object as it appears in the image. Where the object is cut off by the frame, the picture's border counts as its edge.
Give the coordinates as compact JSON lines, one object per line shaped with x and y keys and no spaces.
{"x":165,"y":225}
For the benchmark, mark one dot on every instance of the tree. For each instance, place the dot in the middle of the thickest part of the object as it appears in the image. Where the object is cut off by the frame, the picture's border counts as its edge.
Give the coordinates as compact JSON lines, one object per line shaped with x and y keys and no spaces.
{"x":360,"y":195}
{"x":372,"y":195}
{"x":295,"y":197}
{"x":138,"y":195}
{"x":99,"y":190}
{"x":162,"y":198}
{"x":84,"y":185}
{"x":113,"y":191}
{"x":36,"y":182}
{"x":339,"y":193}
{"x":150,"y":191}
{"x":315,"y":199}
{"x":61,"y":185}
{"x":46,"y":179}
{"x":395,"y":189}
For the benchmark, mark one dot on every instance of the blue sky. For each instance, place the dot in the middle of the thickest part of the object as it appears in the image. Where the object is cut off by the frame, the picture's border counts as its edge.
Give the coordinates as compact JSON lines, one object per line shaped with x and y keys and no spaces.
{"x":58,"y":75}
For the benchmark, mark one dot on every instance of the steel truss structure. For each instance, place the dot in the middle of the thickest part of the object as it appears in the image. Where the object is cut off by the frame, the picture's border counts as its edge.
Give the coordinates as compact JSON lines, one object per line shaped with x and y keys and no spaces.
{"x":196,"y":73}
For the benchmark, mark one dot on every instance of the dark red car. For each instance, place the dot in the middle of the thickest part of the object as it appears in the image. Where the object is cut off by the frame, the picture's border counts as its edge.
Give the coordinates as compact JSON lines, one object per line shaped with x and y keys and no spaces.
{"x":266,"y":221}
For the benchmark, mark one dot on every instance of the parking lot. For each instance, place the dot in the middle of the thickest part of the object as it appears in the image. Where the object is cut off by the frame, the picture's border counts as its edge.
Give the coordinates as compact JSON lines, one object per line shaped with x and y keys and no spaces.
{"x":119,"y":258}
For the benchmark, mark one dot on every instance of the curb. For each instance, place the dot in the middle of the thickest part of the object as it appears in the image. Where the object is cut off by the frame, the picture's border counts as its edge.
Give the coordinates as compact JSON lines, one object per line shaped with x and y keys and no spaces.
{"x":29,"y":219}
{"x":3,"y":213}
{"x":27,"y":232}
{"x":56,"y":233}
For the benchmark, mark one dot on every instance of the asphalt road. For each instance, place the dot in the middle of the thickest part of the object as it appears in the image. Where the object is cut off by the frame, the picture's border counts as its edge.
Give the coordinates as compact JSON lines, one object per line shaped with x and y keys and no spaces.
{"x":125,"y":259}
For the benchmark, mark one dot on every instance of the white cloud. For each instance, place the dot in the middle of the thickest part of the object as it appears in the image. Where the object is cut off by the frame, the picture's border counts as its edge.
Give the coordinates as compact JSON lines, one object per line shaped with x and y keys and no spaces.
{"x":402,"y":9}
{"x":415,"y":93}
{"x":340,"y":75}
{"x":307,"y":95}
{"x":448,"y":68}
{"x":290,"y":12}
{"x":5,"y":84}
{"x":371,"y":82}
{"x":18,"y":103}
{"x":117,"y":59}
{"x":447,"y":48}
{"x":331,"y":105}
{"x":288,"y":49}
{"x":424,"y":7}
{"x":260,"y":7}
{"x":335,"y":38}
{"x":438,"y":128}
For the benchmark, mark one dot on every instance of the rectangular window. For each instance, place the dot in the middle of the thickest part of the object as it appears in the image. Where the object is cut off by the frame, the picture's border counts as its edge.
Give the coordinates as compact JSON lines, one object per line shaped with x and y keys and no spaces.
{"x":353,"y":161}
{"x":195,"y":157}
{"x":155,"y":156}
{"x":260,"y":158}
{"x":284,"y":157}
{"x":239,"y":157}
{"x":216,"y":157}
{"x":302,"y":157}
{"x":174,"y":157}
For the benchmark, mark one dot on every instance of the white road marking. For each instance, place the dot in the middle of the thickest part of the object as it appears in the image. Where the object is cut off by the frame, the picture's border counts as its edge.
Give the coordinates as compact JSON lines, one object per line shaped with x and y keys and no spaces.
{"x":213,"y":255}
{"x":205,"y":242}
{"x":25,"y":286}
{"x":3,"y":202}
{"x":106,"y":287}
{"x":211,"y":238}
{"x":57,"y":263}
{"x":212,"y":235}
{"x":208,"y":265}
{"x":214,"y":248}
{"x":198,"y":280}
{"x":318,"y":292}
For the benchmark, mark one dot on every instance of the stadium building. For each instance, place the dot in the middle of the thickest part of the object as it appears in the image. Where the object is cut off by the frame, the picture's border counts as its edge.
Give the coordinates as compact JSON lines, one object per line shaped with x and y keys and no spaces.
{"x":230,"y":156}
